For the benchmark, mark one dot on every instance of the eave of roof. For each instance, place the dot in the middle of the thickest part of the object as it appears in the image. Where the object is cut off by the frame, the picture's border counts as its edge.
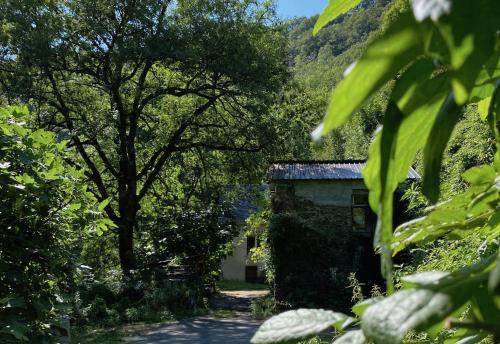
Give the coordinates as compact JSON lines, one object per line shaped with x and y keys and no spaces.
{"x":321,"y":170}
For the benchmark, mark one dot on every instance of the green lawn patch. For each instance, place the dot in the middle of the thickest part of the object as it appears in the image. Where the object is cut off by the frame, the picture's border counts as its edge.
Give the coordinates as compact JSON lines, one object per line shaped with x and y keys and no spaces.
{"x":239,"y":285}
{"x":222,"y":313}
{"x":98,"y":336}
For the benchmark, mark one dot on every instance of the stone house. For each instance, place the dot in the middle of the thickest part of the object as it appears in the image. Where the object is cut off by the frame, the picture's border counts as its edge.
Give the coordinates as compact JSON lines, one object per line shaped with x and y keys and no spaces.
{"x":322,"y":231}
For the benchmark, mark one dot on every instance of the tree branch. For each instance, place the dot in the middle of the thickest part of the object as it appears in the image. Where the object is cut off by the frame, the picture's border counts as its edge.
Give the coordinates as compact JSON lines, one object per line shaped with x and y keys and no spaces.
{"x":95,"y":175}
{"x":160,"y":157}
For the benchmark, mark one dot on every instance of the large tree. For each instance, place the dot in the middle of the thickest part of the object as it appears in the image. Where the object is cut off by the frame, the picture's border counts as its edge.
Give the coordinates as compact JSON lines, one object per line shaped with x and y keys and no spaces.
{"x":133,"y":83}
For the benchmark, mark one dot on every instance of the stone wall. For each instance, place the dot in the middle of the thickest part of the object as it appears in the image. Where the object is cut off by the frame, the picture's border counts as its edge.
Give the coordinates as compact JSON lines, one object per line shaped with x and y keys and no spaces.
{"x":314,"y":244}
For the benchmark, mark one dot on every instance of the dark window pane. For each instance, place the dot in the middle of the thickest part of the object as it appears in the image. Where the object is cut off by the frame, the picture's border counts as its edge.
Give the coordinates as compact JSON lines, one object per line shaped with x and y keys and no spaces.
{"x":359,"y":218}
{"x":360,"y":198}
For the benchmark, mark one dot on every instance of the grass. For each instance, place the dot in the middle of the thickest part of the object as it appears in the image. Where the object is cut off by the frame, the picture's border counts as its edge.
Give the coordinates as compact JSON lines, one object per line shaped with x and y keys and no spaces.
{"x":115,"y":335}
{"x":98,"y":336}
{"x":231,"y":285}
{"x":223,"y":313}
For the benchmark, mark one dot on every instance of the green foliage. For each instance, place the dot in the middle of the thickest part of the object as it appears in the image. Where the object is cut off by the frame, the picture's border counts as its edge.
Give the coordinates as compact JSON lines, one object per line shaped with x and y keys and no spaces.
{"x":45,"y":210}
{"x":143,"y":89}
{"x":461,"y":39}
{"x":195,"y":237}
{"x":263,"y":307}
{"x":333,"y":10}
{"x":101,"y":305}
{"x":301,"y":254}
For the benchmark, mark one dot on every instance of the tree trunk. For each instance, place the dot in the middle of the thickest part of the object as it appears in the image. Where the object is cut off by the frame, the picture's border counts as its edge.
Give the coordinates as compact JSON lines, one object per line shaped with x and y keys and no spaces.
{"x":128,"y":215}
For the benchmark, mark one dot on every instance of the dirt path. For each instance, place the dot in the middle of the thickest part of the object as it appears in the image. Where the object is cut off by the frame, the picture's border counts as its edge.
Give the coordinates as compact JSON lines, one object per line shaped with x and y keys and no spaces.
{"x":237,"y":329}
{"x":239,"y":300}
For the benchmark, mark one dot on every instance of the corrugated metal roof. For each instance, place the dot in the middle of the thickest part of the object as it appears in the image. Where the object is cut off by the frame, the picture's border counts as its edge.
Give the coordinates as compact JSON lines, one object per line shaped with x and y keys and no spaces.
{"x":321,"y":170}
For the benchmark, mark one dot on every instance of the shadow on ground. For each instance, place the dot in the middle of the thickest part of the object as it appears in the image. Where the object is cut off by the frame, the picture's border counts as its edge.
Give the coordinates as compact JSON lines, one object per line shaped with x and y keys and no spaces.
{"x":237,"y":329}
{"x":203,"y":330}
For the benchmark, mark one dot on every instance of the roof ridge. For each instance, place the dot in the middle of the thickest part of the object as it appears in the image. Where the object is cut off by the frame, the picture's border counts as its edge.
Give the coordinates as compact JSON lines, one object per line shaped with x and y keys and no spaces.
{"x":346,"y":161}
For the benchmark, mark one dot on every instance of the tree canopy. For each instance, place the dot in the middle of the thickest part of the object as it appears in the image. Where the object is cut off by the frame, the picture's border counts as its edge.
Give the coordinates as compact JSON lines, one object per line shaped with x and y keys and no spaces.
{"x":132,"y":84}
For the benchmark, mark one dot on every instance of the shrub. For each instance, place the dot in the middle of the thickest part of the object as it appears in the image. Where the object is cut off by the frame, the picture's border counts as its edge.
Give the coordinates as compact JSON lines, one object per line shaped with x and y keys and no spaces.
{"x":263,"y":307}
{"x":44,"y":207}
{"x":97,"y":310}
{"x":133,"y":315}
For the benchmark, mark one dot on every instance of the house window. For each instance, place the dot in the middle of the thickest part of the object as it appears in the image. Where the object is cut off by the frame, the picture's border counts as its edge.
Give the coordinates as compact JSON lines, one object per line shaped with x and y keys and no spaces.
{"x":359,"y":210}
{"x":359,"y":198}
{"x":251,"y":243}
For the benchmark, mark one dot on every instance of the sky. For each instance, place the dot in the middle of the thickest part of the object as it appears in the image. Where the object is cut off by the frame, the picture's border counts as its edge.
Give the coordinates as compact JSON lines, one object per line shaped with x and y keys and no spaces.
{"x":298,"y":8}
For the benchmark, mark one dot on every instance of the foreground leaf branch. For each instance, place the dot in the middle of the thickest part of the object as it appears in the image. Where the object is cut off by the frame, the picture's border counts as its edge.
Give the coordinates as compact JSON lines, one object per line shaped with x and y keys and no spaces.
{"x":442,"y":57}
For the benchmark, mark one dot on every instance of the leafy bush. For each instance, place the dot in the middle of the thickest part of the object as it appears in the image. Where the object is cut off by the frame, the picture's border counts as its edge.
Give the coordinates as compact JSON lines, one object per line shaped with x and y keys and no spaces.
{"x":45,"y":207}
{"x":133,"y":314}
{"x":103,"y":306}
{"x":196,"y":237}
{"x":263,"y":307}
{"x":444,"y":56}
{"x":97,"y":309}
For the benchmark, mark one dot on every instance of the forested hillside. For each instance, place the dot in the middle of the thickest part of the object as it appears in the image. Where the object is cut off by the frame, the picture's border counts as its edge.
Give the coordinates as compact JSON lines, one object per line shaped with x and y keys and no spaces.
{"x":318,"y":64}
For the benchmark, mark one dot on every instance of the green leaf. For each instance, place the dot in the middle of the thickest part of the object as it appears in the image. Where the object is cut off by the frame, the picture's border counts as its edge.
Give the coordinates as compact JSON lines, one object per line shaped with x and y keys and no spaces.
{"x":389,"y":320}
{"x":418,"y":99}
{"x":487,"y":79}
{"x":465,"y":336}
{"x":441,"y":131}
{"x":360,"y":307}
{"x":334,"y":9}
{"x":297,"y":324}
{"x":424,"y":9}
{"x":351,"y":337}
{"x":414,"y":104}
{"x":494,"y":278}
{"x":484,"y":306}
{"x":103,"y":204}
{"x":74,"y":206}
{"x":471,"y":40}
{"x":480,"y":175}
{"x":423,"y":279}
{"x":483,"y":107}
{"x":16,"y":329}
{"x":449,"y":218}
{"x":384,"y":57}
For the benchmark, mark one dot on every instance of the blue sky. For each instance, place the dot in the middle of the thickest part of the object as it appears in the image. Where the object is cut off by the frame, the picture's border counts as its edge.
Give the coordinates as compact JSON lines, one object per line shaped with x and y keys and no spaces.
{"x":298,"y":8}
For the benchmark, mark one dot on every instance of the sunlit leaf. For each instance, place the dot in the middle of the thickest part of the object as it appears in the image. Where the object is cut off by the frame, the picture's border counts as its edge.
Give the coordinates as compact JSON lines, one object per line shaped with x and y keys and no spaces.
{"x":383,"y":58}
{"x":471,"y":41}
{"x":436,"y":144}
{"x":334,"y":9}
{"x":351,"y":337}
{"x":103,"y":204}
{"x":423,"y":278}
{"x":360,"y":307}
{"x":414,"y":104}
{"x":423,"y":9}
{"x":483,"y":107}
{"x":297,"y":324}
{"x":389,"y":320}
{"x":480,"y":175}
